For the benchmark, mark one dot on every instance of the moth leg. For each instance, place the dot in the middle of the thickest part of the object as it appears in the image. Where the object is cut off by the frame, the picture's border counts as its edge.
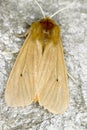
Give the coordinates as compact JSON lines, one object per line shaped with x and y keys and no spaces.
{"x":22,"y":35}
{"x":9,"y":52}
{"x":71,"y":77}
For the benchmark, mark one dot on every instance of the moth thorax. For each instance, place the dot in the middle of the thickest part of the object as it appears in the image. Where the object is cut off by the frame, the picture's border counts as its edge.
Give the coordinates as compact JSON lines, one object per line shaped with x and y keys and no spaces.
{"x":50,"y":30}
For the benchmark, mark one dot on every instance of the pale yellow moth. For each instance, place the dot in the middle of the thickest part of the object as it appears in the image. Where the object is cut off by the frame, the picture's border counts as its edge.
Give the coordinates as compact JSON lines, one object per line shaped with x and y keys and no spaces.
{"x":39,"y":73}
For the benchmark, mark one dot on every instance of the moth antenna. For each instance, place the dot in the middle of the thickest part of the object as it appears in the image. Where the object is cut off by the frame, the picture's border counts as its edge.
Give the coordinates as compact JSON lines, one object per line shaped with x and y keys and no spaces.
{"x":40,"y":8}
{"x":58,"y":11}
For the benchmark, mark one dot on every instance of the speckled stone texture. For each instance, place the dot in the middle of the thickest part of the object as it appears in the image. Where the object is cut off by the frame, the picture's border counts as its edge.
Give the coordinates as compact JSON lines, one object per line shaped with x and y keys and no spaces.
{"x":73,"y":23}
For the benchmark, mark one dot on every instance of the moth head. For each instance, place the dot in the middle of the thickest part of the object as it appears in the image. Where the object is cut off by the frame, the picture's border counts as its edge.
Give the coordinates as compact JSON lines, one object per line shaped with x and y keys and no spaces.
{"x":47,"y":24}
{"x":45,"y":30}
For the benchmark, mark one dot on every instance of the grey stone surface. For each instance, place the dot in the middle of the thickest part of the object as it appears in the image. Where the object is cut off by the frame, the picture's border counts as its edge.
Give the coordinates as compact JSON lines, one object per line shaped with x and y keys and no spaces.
{"x":73,"y":24}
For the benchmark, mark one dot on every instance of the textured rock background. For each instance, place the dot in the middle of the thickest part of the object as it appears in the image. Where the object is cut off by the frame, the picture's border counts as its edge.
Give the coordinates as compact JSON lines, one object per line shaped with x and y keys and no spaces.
{"x":73,"y":23}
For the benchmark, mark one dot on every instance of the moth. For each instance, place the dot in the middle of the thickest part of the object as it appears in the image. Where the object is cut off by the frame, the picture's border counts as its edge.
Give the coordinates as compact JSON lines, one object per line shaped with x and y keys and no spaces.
{"x":39,"y":73}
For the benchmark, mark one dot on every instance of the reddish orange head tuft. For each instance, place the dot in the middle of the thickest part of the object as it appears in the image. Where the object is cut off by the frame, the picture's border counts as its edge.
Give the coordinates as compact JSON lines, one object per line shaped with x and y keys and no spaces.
{"x":47,"y":24}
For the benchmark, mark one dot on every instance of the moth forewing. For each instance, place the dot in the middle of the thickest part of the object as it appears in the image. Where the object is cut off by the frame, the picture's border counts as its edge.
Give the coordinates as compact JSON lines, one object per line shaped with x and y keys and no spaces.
{"x":53,"y":92}
{"x":20,"y":89}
